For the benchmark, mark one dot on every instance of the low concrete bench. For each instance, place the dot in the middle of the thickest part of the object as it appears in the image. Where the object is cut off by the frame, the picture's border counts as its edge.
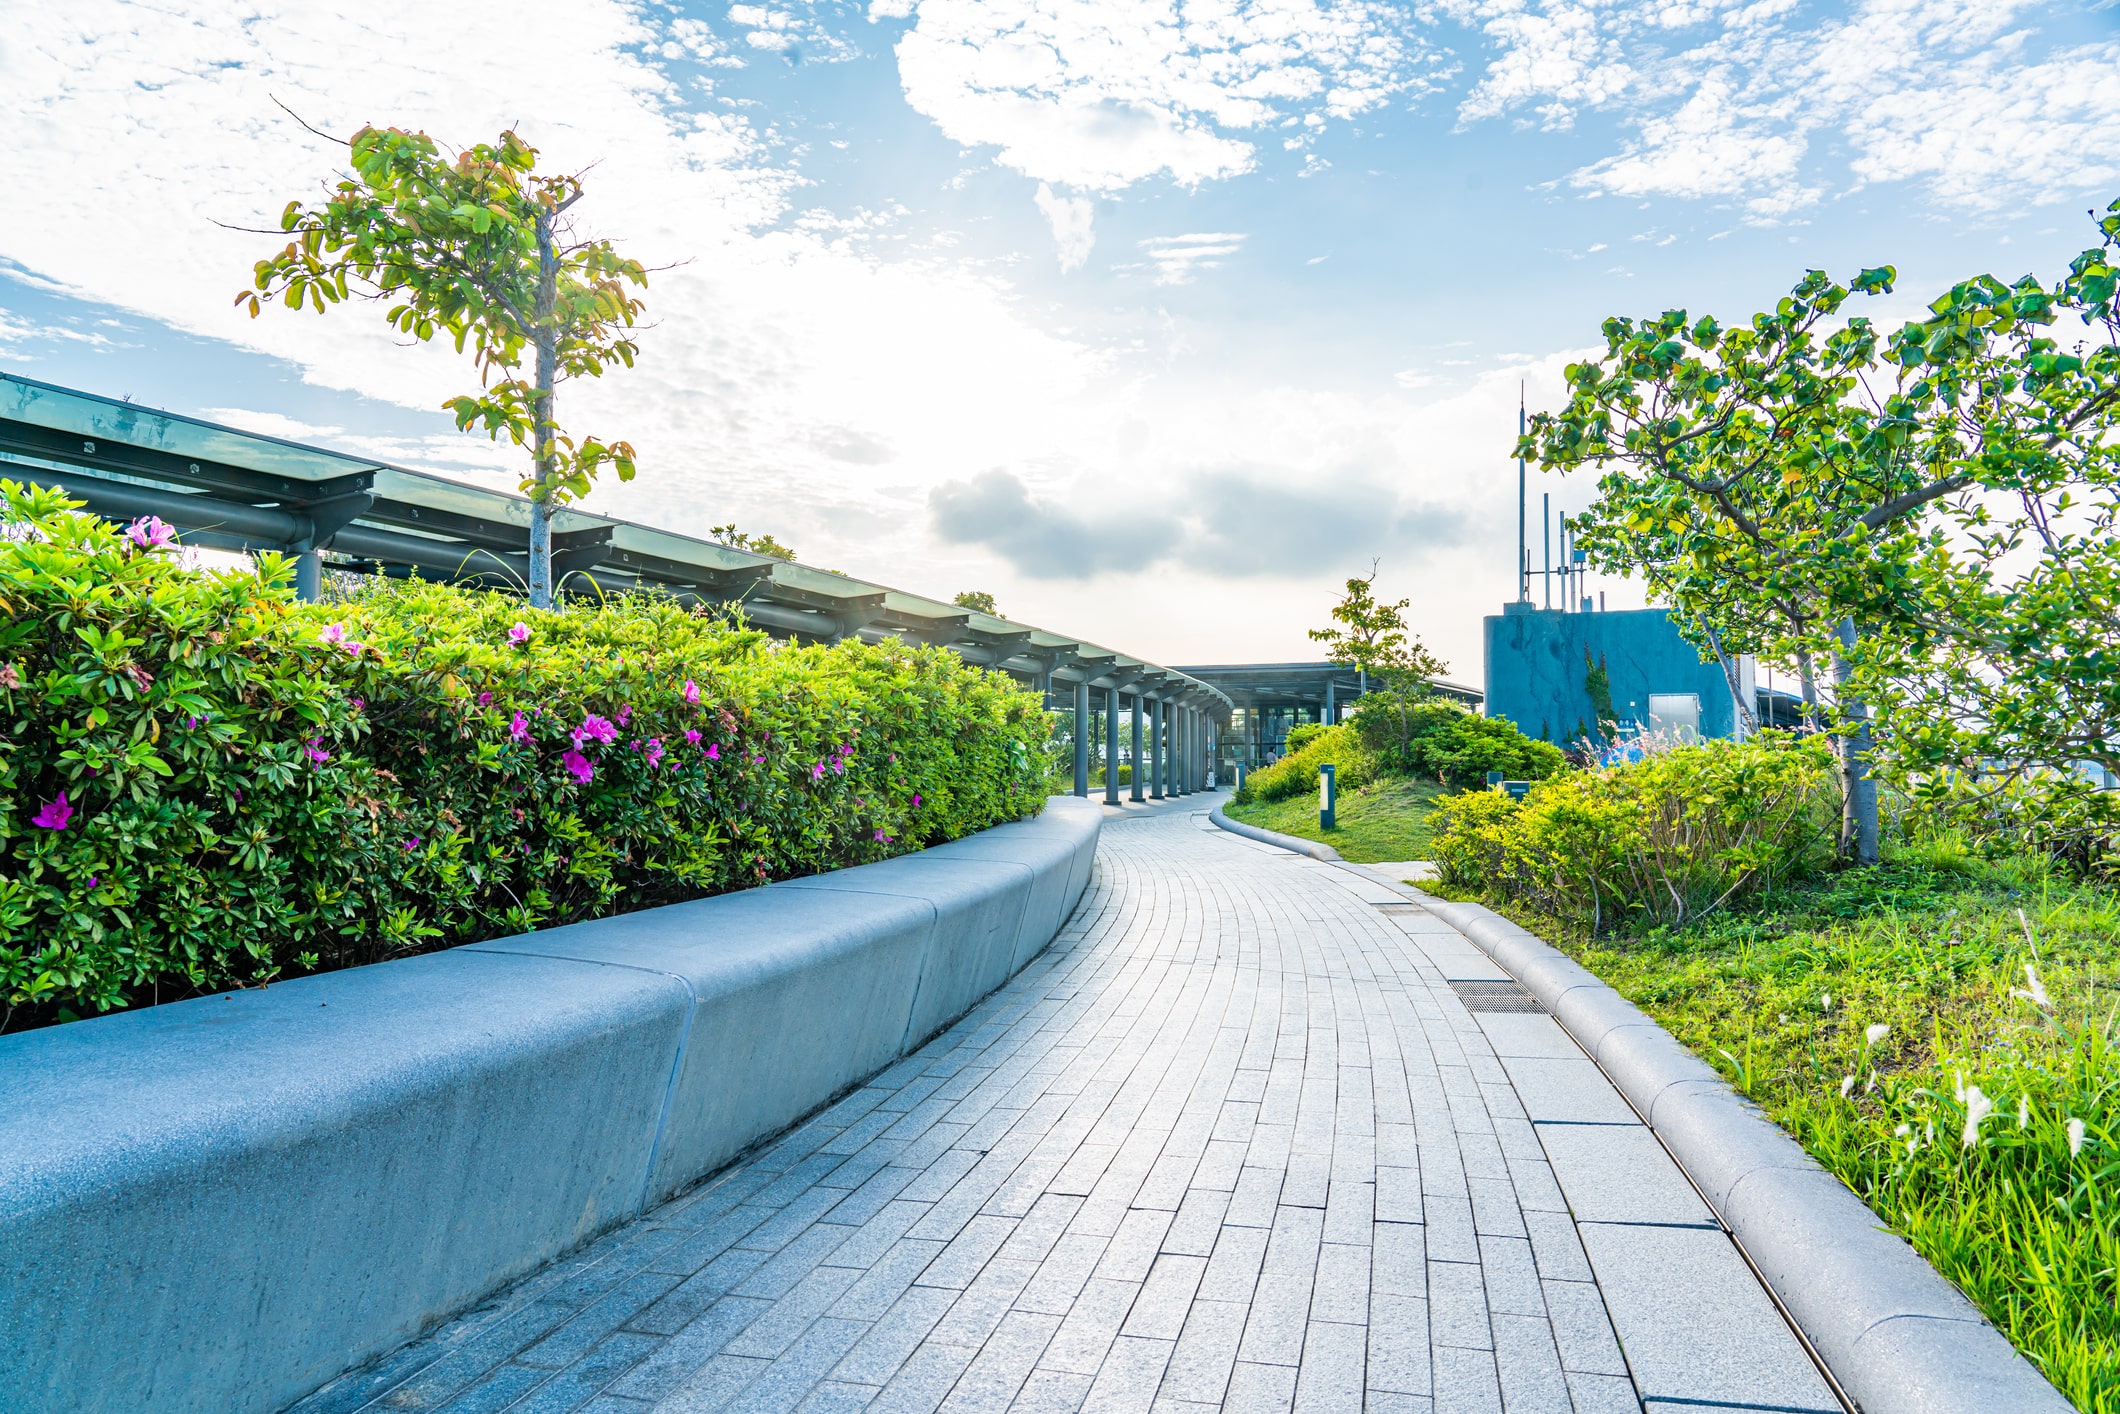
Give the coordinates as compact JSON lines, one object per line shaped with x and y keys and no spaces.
{"x":222,"y":1203}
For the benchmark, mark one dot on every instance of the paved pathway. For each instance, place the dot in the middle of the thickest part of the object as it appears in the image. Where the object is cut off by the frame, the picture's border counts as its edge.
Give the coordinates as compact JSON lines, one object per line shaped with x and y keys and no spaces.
{"x":1235,"y":1141}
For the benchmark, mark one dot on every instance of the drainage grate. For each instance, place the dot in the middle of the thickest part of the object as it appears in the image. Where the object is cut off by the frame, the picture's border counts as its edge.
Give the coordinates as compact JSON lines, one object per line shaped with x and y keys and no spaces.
{"x":1496,"y":996}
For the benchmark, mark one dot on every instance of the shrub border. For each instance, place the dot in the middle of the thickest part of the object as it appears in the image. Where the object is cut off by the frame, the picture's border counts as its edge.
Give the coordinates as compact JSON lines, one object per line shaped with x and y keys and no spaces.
{"x":1896,"y":1336}
{"x":221,"y":1204}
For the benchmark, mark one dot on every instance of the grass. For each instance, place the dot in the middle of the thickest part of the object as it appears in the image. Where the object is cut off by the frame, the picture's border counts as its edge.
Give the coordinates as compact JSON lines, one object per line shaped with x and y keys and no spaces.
{"x":1933,"y":946}
{"x":1384,"y":821}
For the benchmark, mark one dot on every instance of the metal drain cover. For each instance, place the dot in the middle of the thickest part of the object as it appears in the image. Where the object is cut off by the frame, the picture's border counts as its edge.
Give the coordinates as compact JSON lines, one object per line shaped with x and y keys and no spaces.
{"x":1496,"y":996}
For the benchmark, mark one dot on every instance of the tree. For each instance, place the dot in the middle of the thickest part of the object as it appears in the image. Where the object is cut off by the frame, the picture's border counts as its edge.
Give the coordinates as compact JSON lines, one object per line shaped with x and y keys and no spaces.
{"x":979,"y":601}
{"x":477,"y":247}
{"x":736,"y":539}
{"x":1804,"y":487}
{"x":1373,"y":638}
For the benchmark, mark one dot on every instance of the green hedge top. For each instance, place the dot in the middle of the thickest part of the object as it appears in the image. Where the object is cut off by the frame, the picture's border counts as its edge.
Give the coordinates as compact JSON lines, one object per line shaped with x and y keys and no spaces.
{"x":204,"y":783}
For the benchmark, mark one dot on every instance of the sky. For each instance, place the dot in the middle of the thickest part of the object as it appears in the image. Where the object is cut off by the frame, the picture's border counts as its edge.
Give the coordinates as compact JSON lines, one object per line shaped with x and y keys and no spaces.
{"x":1155,"y":319}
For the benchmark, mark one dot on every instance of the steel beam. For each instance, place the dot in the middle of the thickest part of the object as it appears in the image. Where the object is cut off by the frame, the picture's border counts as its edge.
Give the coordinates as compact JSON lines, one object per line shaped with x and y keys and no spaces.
{"x":1082,"y":739}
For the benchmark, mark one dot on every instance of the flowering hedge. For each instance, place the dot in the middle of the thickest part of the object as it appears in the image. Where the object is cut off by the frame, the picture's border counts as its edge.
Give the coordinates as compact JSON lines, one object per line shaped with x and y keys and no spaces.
{"x":206,"y":784}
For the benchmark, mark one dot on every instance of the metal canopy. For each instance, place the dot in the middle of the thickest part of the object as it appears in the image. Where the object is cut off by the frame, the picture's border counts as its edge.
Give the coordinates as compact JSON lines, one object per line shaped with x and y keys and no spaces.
{"x":1288,"y":685}
{"x":235,"y":490}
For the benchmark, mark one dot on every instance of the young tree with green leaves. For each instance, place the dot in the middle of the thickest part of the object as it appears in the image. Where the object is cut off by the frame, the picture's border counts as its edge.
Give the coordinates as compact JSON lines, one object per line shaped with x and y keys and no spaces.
{"x":761,"y":544}
{"x":979,"y":601}
{"x":1805,"y":487}
{"x":480,"y":247}
{"x":1373,"y":637}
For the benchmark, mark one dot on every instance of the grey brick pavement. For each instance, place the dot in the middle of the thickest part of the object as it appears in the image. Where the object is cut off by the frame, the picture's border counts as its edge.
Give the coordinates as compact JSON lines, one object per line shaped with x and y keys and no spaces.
{"x":1231,"y":1143}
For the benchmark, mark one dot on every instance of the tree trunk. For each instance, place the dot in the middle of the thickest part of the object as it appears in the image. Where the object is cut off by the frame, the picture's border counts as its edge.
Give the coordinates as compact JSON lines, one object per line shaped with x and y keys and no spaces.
{"x":544,"y":485}
{"x":1859,"y":827}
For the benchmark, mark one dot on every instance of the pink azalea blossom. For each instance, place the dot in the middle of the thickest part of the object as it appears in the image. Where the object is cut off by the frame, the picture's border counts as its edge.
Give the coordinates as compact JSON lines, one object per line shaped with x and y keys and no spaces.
{"x":817,"y":771}
{"x":578,"y":766}
{"x":317,"y":754}
{"x":691,"y":692}
{"x":150,"y":532}
{"x":485,"y":699}
{"x":758,"y":760}
{"x":625,"y":713}
{"x":54,"y":815}
{"x":520,"y":634}
{"x":713,"y":751}
{"x":595,"y":728}
{"x":916,"y":800}
{"x":691,"y":736}
{"x":333,"y":633}
{"x":882,"y":838}
{"x":519,"y":727}
{"x":654,"y":752}
{"x":358,"y":704}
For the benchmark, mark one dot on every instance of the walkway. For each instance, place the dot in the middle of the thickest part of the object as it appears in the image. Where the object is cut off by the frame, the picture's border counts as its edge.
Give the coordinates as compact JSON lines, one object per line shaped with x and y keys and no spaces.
{"x":1235,"y":1141}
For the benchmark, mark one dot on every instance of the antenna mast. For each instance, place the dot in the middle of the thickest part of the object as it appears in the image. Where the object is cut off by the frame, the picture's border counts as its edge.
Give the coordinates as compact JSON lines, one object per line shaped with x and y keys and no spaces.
{"x":1523,"y":551}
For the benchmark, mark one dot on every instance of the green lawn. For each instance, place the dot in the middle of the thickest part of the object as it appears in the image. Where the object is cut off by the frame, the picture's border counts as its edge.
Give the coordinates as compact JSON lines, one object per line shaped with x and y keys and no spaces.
{"x":1782,"y":998}
{"x":1386,"y":820}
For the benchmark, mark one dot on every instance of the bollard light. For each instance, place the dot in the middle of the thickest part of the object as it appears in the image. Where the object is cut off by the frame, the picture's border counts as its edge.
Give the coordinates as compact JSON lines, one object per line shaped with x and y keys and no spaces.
{"x":1328,"y":797}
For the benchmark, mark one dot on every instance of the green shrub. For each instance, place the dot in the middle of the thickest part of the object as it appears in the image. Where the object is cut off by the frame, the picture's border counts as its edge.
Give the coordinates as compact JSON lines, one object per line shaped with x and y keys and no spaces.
{"x":1298,"y":771}
{"x":1663,"y":840}
{"x":1426,"y":737}
{"x":1303,"y":735}
{"x":204,"y":784}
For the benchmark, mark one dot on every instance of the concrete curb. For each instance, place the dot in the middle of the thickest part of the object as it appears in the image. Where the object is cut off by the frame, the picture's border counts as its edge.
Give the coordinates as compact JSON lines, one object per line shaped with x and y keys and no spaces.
{"x":221,"y":1204}
{"x":1291,"y":842}
{"x":1897,"y":1337}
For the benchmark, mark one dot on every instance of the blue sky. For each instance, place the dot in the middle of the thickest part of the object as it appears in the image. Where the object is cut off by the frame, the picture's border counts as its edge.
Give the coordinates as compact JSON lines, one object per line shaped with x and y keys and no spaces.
{"x":1153,"y":319}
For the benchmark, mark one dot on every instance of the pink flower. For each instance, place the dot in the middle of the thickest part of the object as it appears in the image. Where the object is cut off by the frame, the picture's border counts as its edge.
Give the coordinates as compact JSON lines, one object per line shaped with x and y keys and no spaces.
{"x":691,"y":692}
{"x":691,"y":736}
{"x":358,"y":704}
{"x":817,"y":771}
{"x":654,"y":753}
{"x":625,"y":713}
{"x":333,"y":633}
{"x":54,"y":815}
{"x":485,"y":699}
{"x":150,"y":532}
{"x":578,"y":766}
{"x":356,"y":649}
{"x":520,"y":634}
{"x":595,"y":728}
{"x":758,"y":760}
{"x":412,"y":844}
{"x":317,"y":754}
{"x":916,"y":800}
{"x":713,"y":751}
{"x":882,"y":838}
{"x":519,"y":727}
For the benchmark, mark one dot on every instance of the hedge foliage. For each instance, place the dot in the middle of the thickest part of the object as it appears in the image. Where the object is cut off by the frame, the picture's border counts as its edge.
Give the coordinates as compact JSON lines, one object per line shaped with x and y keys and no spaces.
{"x":1297,"y":772}
{"x":1455,"y":747}
{"x":1664,"y":840}
{"x":205,"y":784}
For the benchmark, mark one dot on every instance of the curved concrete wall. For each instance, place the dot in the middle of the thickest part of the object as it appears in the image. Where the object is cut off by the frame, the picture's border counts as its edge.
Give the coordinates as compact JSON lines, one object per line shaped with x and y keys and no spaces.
{"x":220,"y":1204}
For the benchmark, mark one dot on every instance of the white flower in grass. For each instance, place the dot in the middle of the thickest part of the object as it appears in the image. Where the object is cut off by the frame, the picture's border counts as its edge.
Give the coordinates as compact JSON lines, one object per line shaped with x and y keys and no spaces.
{"x":1958,"y":1086}
{"x":2024,"y":1111}
{"x":1869,"y":1087}
{"x":2036,"y":995}
{"x":2075,"y":1137}
{"x":1847,"y":1086}
{"x":1977,"y":1108}
{"x":1876,"y":1031}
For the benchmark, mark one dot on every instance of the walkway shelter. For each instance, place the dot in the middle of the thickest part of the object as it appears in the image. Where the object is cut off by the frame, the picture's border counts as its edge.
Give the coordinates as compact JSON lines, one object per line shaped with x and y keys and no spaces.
{"x":226,"y":489}
{"x":1275,"y":698}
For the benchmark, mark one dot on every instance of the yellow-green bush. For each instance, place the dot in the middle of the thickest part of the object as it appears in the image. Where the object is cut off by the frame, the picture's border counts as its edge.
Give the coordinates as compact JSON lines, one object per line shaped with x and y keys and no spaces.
{"x":1665,"y":839}
{"x":1298,"y":771}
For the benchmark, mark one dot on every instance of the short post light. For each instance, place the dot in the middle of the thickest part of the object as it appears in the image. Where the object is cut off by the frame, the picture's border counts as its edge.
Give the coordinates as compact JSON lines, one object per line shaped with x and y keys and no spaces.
{"x":1328,"y":796}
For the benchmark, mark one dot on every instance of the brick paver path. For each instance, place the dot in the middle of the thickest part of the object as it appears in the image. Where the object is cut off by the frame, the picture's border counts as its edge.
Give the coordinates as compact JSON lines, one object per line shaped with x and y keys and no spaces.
{"x":1232,"y":1142}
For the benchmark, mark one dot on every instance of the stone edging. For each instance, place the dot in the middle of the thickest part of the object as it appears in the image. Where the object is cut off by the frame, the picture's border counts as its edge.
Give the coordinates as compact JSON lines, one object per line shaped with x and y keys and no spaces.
{"x":219,"y":1205}
{"x":1897,"y":1337}
{"x":1294,"y":842}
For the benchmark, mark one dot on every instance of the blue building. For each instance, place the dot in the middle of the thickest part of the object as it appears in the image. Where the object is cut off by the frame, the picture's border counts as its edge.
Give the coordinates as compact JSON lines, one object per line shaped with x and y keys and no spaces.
{"x":1541,"y":663}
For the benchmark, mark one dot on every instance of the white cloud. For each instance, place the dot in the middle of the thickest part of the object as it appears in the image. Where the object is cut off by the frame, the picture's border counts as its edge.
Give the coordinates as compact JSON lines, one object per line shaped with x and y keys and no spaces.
{"x":1177,"y":257}
{"x":1747,"y":100}
{"x":1071,"y":218}
{"x":1100,"y":94}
